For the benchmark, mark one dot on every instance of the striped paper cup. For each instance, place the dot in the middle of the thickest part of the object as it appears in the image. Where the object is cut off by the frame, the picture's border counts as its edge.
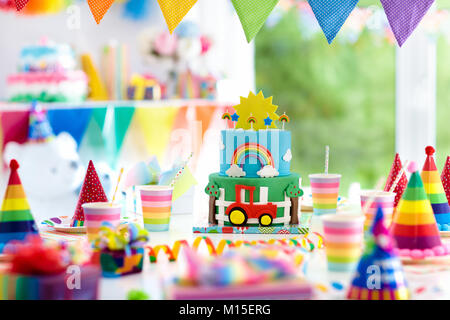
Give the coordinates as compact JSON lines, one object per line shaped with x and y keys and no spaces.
{"x":96,"y":213}
{"x":380,"y":198}
{"x":156,"y":207}
{"x":343,"y":235}
{"x":325,"y":192}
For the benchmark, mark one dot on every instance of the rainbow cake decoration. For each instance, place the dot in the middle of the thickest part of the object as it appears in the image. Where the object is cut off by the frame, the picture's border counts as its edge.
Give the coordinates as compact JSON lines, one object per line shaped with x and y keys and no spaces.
{"x":47,"y":72}
{"x":254,"y":191}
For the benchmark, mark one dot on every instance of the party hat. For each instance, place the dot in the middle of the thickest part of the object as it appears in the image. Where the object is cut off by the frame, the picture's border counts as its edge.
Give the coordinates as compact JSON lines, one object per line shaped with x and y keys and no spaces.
{"x":414,"y":227}
{"x":16,"y":221}
{"x":92,"y":191}
{"x":445,"y":178}
{"x":401,"y":185}
{"x":379,"y":275}
{"x":39,"y":127}
{"x":435,"y":191}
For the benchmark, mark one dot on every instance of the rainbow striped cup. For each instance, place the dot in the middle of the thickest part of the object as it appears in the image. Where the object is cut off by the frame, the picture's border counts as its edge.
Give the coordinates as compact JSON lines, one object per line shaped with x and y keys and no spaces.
{"x":325,"y":192}
{"x":343,"y":235}
{"x":383,"y":199}
{"x":156,"y":206}
{"x":96,"y":213}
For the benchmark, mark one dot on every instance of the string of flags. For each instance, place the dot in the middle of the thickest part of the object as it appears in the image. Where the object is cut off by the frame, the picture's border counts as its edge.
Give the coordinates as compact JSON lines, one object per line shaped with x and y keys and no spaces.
{"x":403,"y":15}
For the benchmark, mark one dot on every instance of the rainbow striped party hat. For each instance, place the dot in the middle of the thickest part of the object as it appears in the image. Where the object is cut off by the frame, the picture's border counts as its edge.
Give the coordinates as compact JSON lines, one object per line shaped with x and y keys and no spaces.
{"x":414,"y":227}
{"x":435,"y":191}
{"x":16,"y":221}
{"x":379,"y":275}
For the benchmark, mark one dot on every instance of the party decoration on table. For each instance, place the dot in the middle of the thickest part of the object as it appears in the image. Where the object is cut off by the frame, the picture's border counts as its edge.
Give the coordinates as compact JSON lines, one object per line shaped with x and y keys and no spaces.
{"x":174,"y":11}
{"x":284,"y":119}
{"x":394,"y":175}
{"x":331,"y":15}
{"x":435,"y":191}
{"x":414,"y":227}
{"x":309,"y":242}
{"x":99,"y":8}
{"x":122,"y":249}
{"x":262,"y":271}
{"x":445,"y":178}
{"x":16,"y":220}
{"x":404,"y":16}
{"x":253,"y":14}
{"x":91,"y":191}
{"x":38,"y":270}
{"x":40,"y":129}
{"x":379,"y":258}
{"x":256,"y":107}
{"x":97,"y":90}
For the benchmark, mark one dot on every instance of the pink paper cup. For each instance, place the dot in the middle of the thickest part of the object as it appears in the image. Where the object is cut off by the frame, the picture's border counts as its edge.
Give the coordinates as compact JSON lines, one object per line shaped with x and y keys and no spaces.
{"x":343,"y":235}
{"x":383,"y":199}
{"x":325,"y":192}
{"x":156,"y":207}
{"x":96,"y":213}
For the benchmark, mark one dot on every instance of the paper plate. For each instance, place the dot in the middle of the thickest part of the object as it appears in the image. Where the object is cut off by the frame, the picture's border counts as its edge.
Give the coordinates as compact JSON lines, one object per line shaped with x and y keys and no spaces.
{"x":62,"y":224}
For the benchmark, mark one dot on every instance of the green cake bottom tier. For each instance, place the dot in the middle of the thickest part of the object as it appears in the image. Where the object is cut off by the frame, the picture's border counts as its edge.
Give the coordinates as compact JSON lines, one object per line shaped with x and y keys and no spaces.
{"x":277,"y":190}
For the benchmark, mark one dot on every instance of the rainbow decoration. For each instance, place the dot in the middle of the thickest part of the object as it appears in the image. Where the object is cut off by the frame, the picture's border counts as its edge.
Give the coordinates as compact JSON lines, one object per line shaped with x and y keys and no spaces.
{"x":252,"y":150}
{"x":414,"y":227}
{"x":226,"y":116}
{"x":284,"y":118}
{"x":16,"y":221}
{"x":251,"y":120}
{"x":435,"y":191}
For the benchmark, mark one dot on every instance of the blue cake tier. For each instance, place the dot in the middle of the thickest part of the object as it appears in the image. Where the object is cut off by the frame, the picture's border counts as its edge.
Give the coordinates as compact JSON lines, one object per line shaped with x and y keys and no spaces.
{"x":255,"y":154}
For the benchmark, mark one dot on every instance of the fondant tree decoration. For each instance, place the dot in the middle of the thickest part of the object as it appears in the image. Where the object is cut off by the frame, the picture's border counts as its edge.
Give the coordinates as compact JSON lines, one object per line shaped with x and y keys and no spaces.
{"x":258,"y":107}
{"x":213,"y":191}
{"x":293,"y":191}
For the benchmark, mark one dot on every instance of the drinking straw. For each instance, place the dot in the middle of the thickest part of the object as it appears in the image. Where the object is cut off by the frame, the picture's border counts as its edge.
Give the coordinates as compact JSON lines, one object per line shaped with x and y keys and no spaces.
{"x":399,"y":176}
{"x":373,"y":196}
{"x":117,"y":187}
{"x":327,"y":157}
{"x":181,"y":170}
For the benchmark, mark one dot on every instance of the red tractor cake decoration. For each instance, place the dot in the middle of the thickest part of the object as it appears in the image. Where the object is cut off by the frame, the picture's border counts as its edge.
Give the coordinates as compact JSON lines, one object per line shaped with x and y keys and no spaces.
{"x":239,"y":212}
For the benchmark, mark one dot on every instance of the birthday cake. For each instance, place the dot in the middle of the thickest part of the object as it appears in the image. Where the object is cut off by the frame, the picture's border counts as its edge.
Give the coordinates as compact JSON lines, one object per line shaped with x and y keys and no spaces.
{"x":254,"y":187}
{"x":47,"y":72}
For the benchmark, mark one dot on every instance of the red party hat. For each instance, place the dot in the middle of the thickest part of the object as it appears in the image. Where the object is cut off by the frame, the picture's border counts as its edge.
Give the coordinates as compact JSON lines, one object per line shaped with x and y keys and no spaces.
{"x":401,"y":186}
{"x":445,"y":177}
{"x":92,"y":191}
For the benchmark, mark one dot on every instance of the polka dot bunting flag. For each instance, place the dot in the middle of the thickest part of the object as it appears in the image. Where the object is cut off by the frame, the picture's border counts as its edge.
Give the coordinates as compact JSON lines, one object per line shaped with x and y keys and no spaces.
{"x":331,"y":15}
{"x":445,"y":177}
{"x":99,"y":8}
{"x":401,"y":185}
{"x":174,"y":11}
{"x":92,"y":191}
{"x":20,"y":4}
{"x":404,"y":16}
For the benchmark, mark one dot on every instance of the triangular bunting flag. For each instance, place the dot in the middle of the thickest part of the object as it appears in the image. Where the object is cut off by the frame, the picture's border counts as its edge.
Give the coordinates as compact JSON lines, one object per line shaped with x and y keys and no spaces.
{"x":253,"y":14}
{"x":20,"y":4}
{"x":445,"y":178}
{"x":99,"y":8}
{"x":404,"y":16}
{"x":401,"y":186}
{"x":435,"y":191}
{"x":16,"y":221}
{"x":174,"y":11}
{"x":379,"y":258}
{"x":73,"y":121}
{"x":414,"y":227}
{"x":92,"y":191}
{"x":332,"y":14}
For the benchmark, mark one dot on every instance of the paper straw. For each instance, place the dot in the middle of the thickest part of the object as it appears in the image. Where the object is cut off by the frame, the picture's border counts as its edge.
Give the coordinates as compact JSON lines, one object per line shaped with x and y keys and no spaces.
{"x":181,"y":170}
{"x":373,"y":196}
{"x":327,"y":157}
{"x":399,"y":176}
{"x":117,"y":187}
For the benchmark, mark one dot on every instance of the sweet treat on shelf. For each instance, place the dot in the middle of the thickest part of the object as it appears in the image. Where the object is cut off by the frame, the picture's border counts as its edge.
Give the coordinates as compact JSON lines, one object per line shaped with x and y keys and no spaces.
{"x":258,"y":272}
{"x":435,"y":191}
{"x":47,"y":72}
{"x":379,"y":258}
{"x":121,"y":249}
{"x":254,"y":187}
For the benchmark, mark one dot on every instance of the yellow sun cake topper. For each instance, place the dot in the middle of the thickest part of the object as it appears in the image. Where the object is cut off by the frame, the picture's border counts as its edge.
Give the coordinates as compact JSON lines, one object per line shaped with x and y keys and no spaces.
{"x":258,"y":107}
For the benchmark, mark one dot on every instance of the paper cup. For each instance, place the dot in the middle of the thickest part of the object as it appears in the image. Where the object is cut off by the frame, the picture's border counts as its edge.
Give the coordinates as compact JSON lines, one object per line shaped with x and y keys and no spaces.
{"x":382,"y":198}
{"x":156,"y":207}
{"x":325,"y":192}
{"x":96,"y":213}
{"x":343,"y":235}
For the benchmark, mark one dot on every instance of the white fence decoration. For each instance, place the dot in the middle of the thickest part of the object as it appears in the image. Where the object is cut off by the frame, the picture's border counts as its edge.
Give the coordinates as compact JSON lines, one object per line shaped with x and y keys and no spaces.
{"x":263,"y":195}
